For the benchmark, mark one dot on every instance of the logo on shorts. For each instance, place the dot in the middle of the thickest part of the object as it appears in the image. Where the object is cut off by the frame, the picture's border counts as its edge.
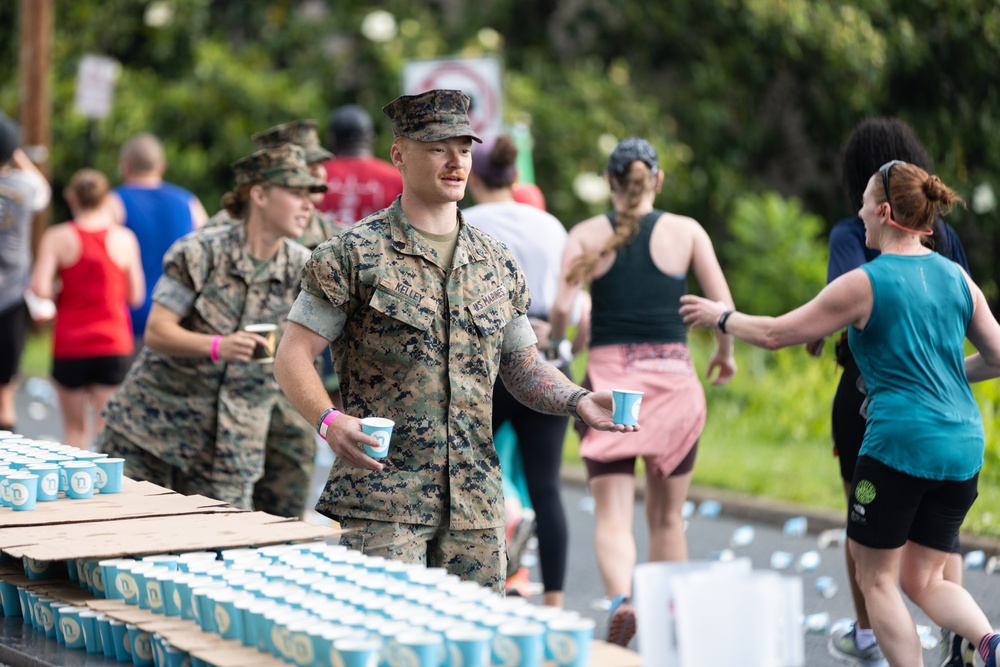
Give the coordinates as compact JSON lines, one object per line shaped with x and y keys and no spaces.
{"x":864,"y":492}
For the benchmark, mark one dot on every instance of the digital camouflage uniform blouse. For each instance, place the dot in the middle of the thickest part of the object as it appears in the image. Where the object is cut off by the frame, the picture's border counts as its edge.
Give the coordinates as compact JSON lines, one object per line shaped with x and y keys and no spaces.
{"x":420,"y":345}
{"x":191,"y":411}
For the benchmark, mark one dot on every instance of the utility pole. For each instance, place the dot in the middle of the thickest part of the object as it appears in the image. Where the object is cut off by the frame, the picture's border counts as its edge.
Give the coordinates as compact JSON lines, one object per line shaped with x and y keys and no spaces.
{"x":36,"y":25}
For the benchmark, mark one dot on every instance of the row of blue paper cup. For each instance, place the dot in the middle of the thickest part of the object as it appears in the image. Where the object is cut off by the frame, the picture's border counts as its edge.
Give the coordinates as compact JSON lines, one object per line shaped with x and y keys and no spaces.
{"x":321,"y":604}
{"x":34,"y":471}
{"x":82,"y":628}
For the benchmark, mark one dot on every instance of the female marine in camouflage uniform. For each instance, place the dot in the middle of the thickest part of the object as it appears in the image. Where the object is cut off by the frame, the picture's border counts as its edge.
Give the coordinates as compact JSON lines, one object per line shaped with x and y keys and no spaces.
{"x":194,"y":412}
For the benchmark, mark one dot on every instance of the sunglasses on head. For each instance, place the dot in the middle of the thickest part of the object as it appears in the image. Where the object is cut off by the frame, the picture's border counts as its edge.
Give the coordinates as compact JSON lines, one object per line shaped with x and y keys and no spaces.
{"x":884,"y":170}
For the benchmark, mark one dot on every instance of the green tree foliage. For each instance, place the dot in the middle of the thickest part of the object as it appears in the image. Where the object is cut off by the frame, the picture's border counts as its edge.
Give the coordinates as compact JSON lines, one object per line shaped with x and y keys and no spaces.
{"x":775,"y":260}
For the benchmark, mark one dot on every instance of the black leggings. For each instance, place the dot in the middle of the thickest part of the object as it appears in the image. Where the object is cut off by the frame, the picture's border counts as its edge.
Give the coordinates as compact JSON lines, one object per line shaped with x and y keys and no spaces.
{"x":540,"y":441}
{"x":847,"y":423}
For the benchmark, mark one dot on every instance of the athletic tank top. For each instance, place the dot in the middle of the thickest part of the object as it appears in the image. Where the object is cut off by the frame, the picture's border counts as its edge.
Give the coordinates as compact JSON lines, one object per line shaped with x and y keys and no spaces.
{"x":635,"y":302}
{"x":159,"y":216}
{"x":92,"y":318}
{"x":922,"y":417}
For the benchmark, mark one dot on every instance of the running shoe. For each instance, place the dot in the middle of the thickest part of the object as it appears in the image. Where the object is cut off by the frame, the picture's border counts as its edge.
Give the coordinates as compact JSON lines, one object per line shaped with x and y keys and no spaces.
{"x":621,"y":621}
{"x":845,"y":648}
{"x":955,"y":651}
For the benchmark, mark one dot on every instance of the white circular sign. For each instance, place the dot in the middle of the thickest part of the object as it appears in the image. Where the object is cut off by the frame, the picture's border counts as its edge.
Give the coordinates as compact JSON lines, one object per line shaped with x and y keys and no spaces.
{"x":479,"y":78}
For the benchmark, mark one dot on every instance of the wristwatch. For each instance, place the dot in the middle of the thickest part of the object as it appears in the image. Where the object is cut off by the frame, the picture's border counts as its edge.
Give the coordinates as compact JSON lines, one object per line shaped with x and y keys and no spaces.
{"x":574,"y":400}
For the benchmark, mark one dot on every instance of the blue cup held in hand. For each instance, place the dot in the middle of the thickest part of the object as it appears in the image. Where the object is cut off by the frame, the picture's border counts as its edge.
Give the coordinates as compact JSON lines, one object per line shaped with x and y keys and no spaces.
{"x":627,"y":404}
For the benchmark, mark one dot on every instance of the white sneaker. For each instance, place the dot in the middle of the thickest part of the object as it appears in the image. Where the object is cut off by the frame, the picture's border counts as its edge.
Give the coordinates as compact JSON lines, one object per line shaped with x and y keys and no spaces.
{"x":845,"y":648}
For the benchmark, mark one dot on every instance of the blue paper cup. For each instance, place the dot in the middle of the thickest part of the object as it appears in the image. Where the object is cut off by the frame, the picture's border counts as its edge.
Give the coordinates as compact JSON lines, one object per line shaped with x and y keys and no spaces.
{"x":80,"y":476}
{"x":227,"y":618}
{"x":38,"y":569}
{"x":299,"y":643}
{"x":257,"y":626}
{"x":10,"y":598}
{"x":323,"y":636}
{"x":469,"y":646}
{"x":419,"y":648}
{"x":48,"y":480}
{"x":153,"y":594}
{"x":352,"y":652}
{"x":519,"y":644}
{"x":109,"y":575}
{"x":5,"y":485}
{"x":95,"y":576}
{"x":380,"y":429}
{"x":107,"y":640}
{"x":71,"y":628}
{"x":120,"y":638}
{"x":27,"y":606}
{"x":151,"y":588}
{"x":175,"y":657}
{"x":202,"y":606}
{"x":91,"y":633}
{"x":171,"y":600}
{"x":141,"y":644}
{"x":23,"y":491}
{"x":129,"y":580}
{"x":46,"y":619}
{"x":627,"y":404}
{"x":158,"y":643}
{"x":568,"y":640}
{"x":56,"y":615}
{"x":108,"y":475}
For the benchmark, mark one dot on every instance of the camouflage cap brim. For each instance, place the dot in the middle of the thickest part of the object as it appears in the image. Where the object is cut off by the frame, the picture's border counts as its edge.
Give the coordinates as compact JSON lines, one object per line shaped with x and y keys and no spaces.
{"x":317,"y":154}
{"x":293,"y":178}
{"x":440,"y":132}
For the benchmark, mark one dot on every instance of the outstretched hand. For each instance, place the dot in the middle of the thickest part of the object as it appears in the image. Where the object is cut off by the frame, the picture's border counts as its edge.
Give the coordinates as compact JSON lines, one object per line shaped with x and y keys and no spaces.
{"x":597,"y":409}
{"x":701,"y":312}
{"x":346,"y":439}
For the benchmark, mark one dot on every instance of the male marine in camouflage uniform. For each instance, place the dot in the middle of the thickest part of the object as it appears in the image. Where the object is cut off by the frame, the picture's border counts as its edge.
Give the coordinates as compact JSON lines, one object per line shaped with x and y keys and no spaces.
{"x":182,"y":420}
{"x":424,"y":311}
{"x":290,"y":456}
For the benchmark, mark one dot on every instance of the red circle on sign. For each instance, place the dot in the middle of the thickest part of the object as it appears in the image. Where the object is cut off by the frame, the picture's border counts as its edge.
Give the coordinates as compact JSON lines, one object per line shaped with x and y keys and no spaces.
{"x":485,"y":103}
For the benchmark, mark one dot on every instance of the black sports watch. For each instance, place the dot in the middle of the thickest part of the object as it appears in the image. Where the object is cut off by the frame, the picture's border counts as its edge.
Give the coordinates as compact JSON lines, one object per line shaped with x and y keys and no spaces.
{"x":574,"y":400}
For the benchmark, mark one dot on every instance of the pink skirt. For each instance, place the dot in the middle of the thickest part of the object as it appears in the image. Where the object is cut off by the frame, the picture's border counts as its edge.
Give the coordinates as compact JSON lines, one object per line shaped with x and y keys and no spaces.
{"x":672,"y":414}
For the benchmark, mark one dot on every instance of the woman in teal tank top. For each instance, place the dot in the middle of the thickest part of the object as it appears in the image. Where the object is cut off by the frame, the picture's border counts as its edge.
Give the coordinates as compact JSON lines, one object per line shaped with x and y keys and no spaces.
{"x":908,"y":312}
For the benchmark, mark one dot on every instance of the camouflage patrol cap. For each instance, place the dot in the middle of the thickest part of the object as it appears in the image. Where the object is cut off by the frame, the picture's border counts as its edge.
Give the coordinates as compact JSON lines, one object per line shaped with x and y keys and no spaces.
{"x":298,"y":132}
{"x":431,"y":116}
{"x":283,"y":165}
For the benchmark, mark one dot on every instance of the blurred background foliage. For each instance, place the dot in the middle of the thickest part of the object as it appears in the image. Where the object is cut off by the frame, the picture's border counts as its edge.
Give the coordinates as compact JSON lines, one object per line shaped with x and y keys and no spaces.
{"x":749,"y":103}
{"x":743,"y":98}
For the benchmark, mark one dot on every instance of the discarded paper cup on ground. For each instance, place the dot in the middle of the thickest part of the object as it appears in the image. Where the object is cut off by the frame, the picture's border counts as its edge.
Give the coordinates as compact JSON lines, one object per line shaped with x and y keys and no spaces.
{"x":627,"y":404}
{"x":380,"y":429}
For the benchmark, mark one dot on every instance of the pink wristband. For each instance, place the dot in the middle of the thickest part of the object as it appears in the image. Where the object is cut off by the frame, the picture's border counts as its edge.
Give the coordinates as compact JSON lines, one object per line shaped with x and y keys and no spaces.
{"x":215,"y":347}
{"x":324,"y":424}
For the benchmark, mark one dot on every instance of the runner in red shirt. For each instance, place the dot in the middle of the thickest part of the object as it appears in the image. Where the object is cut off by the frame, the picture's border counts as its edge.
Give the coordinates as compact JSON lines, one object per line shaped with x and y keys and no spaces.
{"x":358,"y":183}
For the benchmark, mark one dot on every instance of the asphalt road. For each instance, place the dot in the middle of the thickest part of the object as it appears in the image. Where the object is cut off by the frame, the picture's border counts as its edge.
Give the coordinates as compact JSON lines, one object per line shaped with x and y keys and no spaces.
{"x":38,"y":417}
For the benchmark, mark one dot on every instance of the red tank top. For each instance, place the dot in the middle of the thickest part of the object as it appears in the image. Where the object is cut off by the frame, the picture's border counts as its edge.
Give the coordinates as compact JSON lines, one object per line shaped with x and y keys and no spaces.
{"x":92,"y":318}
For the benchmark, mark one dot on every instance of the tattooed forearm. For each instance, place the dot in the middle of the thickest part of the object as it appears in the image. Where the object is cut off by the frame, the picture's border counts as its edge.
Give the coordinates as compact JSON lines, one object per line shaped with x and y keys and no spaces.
{"x":536,"y":383}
